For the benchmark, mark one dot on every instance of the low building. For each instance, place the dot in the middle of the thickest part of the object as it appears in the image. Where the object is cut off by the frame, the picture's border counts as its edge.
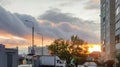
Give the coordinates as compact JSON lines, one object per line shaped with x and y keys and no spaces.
{"x":8,"y":57}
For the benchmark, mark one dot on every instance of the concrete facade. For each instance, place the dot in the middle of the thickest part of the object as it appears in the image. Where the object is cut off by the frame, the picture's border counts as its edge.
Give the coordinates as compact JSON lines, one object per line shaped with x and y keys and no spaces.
{"x":2,"y":56}
{"x":117,"y":26}
{"x":8,"y":57}
{"x":108,"y":29}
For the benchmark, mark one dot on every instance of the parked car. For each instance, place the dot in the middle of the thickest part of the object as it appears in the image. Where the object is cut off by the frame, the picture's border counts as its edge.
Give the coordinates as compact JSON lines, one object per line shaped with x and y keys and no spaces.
{"x":90,"y":64}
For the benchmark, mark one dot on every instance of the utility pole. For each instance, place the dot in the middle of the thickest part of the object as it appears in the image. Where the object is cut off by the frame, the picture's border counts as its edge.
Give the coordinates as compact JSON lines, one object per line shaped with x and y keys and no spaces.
{"x":42,"y":45}
{"x":32,"y":49}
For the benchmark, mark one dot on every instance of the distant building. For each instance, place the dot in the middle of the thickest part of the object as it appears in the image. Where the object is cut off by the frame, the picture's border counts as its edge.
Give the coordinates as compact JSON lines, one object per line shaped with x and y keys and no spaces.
{"x":8,"y":57}
{"x":108,"y":29}
{"x":38,"y":50}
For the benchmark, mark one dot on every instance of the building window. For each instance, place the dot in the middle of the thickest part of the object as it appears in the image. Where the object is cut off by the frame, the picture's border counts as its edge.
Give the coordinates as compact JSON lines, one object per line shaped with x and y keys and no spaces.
{"x":117,"y":39}
{"x":103,"y":19}
{"x":117,"y":25}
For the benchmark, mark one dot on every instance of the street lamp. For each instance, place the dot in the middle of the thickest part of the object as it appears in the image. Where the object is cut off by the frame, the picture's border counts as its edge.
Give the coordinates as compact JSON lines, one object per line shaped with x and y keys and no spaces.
{"x":42,"y":43}
{"x":32,"y":50}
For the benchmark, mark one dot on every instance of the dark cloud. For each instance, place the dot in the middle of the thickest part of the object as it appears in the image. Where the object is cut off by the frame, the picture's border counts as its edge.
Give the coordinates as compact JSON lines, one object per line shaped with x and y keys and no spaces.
{"x":70,"y":29}
{"x":11,"y":24}
{"x":21,"y":25}
{"x":52,"y":24}
{"x":69,"y":25}
{"x":55,"y":15}
{"x":92,"y":4}
{"x":17,"y":24}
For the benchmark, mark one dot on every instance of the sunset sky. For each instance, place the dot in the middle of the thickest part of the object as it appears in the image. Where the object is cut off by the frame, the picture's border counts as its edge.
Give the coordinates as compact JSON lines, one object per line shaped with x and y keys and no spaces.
{"x":51,"y":18}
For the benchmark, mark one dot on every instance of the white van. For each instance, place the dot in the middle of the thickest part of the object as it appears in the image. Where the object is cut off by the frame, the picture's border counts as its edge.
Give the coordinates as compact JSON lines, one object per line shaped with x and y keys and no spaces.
{"x":51,"y":61}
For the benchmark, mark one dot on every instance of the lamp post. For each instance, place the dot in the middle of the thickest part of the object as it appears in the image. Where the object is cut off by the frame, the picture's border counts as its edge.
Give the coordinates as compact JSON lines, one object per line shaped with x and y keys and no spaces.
{"x":42,"y":44}
{"x":54,"y":59}
{"x":32,"y":50}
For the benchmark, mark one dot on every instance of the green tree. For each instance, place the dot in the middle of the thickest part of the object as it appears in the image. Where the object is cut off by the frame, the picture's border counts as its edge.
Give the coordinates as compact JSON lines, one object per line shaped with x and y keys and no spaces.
{"x":76,"y":46}
{"x":76,"y":40}
{"x":77,"y":50}
{"x":69,"y":49}
{"x":59,"y":48}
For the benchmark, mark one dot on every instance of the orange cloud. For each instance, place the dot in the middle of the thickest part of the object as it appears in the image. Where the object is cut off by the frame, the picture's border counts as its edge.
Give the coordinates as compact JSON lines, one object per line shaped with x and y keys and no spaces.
{"x":11,"y":41}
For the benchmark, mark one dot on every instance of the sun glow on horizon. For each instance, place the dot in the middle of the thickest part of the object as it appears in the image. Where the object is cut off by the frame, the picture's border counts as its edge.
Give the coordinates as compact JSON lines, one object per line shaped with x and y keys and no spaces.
{"x":94,"y":48}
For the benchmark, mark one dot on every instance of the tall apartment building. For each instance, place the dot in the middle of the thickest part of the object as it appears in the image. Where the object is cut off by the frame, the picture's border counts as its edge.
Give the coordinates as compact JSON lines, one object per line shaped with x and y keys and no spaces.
{"x":117,"y":26}
{"x":108,"y":29}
